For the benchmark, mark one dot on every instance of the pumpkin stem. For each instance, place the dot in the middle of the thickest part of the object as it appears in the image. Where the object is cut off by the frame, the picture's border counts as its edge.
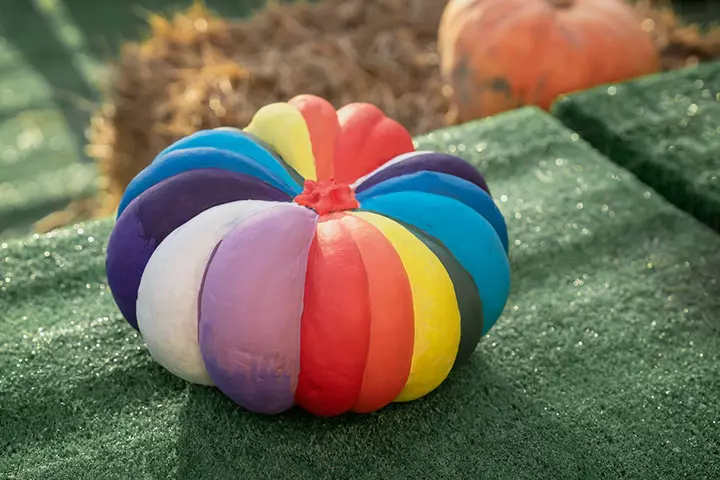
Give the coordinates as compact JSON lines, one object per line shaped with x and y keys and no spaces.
{"x":562,"y":3}
{"x":326,"y":196}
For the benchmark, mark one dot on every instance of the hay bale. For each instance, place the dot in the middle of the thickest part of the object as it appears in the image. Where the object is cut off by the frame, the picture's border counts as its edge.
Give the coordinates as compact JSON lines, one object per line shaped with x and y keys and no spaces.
{"x":680,"y":44}
{"x":198,"y":71}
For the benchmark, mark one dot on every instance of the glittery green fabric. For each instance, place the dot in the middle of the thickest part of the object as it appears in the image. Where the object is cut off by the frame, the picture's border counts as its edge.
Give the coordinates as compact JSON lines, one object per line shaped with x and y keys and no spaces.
{"x":53,"y":65}
{"x":604,"y":364}
{"x":663,"y":128}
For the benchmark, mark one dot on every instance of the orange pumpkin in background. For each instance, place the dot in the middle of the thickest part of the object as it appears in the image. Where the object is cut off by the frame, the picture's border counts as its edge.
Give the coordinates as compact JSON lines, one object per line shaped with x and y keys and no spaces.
{"x":502,"y":54}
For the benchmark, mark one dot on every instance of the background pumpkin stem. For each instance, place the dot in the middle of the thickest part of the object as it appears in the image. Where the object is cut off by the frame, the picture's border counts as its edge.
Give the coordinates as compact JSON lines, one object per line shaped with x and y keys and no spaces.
{"x":562,"y":3}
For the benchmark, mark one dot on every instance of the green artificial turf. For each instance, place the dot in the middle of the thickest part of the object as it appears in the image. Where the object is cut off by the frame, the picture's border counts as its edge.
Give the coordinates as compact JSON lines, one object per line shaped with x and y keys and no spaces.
{"x":604,"y":365}
{"x":664,"y":128}
{"x":53,"y":66}
{"x":48,"y":85}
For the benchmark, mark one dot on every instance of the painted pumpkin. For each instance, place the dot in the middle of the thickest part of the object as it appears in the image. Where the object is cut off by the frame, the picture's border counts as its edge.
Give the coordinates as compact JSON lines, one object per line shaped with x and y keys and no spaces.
{"x":502,"y":54}
{"x":313,"y":259}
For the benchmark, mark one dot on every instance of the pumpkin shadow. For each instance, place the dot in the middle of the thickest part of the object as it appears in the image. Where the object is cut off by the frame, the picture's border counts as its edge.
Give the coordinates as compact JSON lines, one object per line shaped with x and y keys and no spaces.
{"x":475,"y":422}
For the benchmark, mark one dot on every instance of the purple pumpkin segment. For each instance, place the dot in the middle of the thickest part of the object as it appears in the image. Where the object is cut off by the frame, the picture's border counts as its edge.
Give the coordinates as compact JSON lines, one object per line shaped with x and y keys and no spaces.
{"x":434,"y":162}
{"x":251,"y":302}
{"x":158,"y":211}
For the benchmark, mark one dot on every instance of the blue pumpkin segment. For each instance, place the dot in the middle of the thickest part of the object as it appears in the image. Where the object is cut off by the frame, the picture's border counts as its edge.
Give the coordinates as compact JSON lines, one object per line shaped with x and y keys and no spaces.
{"x":466,"y":234}
{"x":449,"y":186}
{"x":179,"y":161}
{"x":426,"y":161}
{"x":242,"y":143}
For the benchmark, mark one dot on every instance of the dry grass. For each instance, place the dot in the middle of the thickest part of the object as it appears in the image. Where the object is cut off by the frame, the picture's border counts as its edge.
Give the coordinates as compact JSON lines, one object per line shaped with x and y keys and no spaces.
{"x":198,"y":71}
{"x":680,"y":44}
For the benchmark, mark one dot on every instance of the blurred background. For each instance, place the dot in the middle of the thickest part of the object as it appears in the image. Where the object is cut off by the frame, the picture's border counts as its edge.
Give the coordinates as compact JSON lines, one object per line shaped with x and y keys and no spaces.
{"x":62,"y":62}
{"x":54,"y":58}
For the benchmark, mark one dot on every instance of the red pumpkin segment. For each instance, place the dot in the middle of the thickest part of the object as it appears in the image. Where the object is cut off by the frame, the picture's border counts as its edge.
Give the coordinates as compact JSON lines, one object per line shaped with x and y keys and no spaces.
{"x":392,"y":327}
{"x":335,"y":324}
{"x":367,"y":140}
{"x":322,"y":123}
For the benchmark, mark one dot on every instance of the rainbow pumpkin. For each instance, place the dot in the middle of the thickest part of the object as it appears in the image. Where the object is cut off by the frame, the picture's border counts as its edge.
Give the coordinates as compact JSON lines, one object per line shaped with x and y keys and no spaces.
{"x":313,"y":258}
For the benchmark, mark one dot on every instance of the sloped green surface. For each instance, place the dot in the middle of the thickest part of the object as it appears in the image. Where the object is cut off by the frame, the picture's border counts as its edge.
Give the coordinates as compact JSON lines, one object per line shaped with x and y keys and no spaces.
{"x":48,"y":84}
{"x":604,"y":364}
{"x":664,"y":128}
{"x":53,"y":65}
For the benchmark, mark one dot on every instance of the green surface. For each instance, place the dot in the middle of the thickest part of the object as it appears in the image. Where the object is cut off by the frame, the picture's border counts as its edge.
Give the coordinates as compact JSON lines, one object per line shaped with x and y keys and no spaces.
{"x":664,"y":128}
{"x":604,"y":365}
{"x":53,"y":66}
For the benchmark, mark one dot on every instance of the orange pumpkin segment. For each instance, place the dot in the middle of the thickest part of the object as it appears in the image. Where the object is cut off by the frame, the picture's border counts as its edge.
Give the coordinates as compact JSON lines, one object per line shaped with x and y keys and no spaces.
{"x":392,"y":326}
{"x":322,"y":123}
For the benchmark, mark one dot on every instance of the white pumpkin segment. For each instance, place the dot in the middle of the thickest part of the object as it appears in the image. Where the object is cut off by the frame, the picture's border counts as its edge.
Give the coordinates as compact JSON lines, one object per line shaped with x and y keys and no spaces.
{"x":167,"y":304}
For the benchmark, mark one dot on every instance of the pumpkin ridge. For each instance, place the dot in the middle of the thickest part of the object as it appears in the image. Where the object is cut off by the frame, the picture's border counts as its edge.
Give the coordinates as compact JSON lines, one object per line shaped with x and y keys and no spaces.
{"x":356,"y":184}
{"x":437,"y":316}
{"x":283,"y":126}
{"x":241,"y":143}
{"x":324,"y":130}
{"x":368,"y":139}
{"x":392,"y":318}
{"x":446,"y":185}
{"x":167,"y":295}
{"x":380,"y":127}
{"x":161,"y":209}
{"x":335,"y":322}
{"x":485,"y":258}
{"x":426,"y":162}
{"x":354,"y":120}
{"x":532,"y":97}
{"x":298,"y":179}
{"x":466,"y":294}
{"x":250,"y":341}
{"x":193,"y":159}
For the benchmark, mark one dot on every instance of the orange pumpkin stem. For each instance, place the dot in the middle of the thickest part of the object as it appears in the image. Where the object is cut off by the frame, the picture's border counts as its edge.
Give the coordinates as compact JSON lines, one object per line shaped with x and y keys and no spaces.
{"x":326,"y":196}
{"x":562,"y":3}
